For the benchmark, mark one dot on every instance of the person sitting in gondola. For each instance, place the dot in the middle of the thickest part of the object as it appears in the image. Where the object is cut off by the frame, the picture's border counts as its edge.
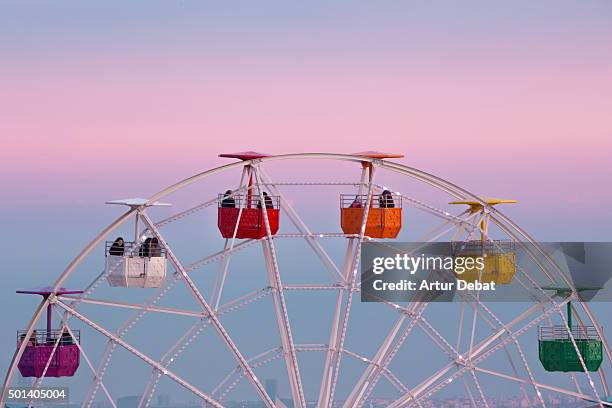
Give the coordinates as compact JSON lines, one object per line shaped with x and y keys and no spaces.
{"x":145,"y":248}
{"x":33,"y":341}
{"x":66,"y":338}
{"x":356,"y":203}
{"x":228,"y":201}
{"x":154,"y":247}
{"x":267,"y":200}
{"x":118,"y":247}
{"x":385,"y":200}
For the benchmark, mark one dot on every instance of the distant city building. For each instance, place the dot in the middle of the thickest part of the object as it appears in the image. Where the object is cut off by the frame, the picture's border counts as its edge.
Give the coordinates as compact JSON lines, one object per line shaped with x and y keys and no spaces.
{"x":272,"y":388}
{"x":163,"y":400}
{"x":128,"y":402}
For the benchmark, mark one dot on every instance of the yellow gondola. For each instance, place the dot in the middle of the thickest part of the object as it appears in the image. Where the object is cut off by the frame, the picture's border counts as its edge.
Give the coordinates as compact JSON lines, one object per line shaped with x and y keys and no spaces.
{"x":499,"y":256}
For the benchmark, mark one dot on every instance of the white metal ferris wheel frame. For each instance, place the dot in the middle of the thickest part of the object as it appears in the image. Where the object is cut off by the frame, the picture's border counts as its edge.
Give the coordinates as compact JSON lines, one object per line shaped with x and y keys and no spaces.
{"x":335,"y":347}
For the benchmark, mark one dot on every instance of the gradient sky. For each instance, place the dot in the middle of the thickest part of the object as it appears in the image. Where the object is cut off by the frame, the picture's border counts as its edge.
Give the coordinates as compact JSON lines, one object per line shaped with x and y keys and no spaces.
{"x":504,"y":98}
{"x":518,"y":91}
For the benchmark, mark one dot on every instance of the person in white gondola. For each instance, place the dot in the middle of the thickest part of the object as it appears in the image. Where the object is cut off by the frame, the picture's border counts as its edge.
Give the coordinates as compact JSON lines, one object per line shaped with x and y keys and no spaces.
{"x":118,"y":247}
{"x":154,"y":247}
{"x":145,"y":248}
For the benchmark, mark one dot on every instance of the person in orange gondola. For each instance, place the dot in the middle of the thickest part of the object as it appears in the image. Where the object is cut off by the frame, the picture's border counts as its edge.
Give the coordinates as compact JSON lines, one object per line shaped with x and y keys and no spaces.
{"x":118,"y":247}
{"x":228,"y":201}
{"x":385,"y":200}
{"x":356,"y":203}
{"x":267,"y":200}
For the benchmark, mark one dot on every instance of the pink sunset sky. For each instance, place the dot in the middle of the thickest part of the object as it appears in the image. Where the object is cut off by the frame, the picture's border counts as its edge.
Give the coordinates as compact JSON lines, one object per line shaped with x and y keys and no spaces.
{"x":514,"y":98}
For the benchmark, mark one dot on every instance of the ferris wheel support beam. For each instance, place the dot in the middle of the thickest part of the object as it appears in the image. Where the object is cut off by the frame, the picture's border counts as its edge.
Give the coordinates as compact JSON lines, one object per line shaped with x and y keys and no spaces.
{"x":371,"y":375}
{"x":154,"y":298}
{"x":302,"y":227}
{"x":280,"y":304}
{"x":479,"y":354}
{"x":139,"y":354}
{"x":333,"y":353}
{"x":455,"y":351}
{"x":351,"y":274}
{"x":149,"y":388}
{"x":222,"y":268}
{"x":381,"y":361}
{"x":559,"y":390}
{"x":213,"y":317}
{"x":85,"y":356}
{"x":330,"y":355}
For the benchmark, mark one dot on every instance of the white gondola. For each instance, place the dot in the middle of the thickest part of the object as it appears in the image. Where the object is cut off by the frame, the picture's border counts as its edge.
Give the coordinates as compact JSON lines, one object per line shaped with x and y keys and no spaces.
{"x":135,"y":265}
{"x":133,"y":270}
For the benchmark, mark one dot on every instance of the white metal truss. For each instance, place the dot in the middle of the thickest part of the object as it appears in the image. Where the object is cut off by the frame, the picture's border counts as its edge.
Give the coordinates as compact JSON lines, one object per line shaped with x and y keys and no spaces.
{"x":280,"y":305}
{"x":212,"y":315}
{"x":139,"y":354}
{"x":465,"y":363}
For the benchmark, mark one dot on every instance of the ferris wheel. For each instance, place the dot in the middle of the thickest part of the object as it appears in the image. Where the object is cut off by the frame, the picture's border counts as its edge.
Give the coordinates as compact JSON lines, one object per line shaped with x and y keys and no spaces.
{"x":249,"y":271}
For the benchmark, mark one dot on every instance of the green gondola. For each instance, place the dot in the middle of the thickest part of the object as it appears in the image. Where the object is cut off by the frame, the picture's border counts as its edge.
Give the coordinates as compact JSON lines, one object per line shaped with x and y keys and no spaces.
{"x":556,"y":350}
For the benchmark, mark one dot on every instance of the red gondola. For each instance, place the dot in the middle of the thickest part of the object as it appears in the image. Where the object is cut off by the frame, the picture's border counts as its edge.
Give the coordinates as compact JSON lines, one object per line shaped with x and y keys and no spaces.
{"x":247,"y":208}
{"x":252,"y":222}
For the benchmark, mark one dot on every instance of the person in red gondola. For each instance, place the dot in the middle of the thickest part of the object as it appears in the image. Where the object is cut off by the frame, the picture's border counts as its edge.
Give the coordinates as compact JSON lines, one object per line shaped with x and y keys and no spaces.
{"x":228,"y":201}
{"x":267,"y":200}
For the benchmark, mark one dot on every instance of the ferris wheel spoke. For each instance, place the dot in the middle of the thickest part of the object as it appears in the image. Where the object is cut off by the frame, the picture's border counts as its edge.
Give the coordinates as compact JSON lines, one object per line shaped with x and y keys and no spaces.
{"x":214,"y":320}
{"x":280,"y":305}
{"x":388,"y":374}
{"x":384,"y":356}
{"x":64,"y":318}
{"x":121,"y":331}
{"x":476,"y":298}
{"x":477,"y":311}
{"x":223,"y":266}
{"x":506,"y":350}
{"x":219,"y":255}
{"x":256,"y":364}
{"x":483,"y":398}
{"x":238,"y":369}
{"x":480,"y":353}
{"x":168,"y":358}
{"x":336,"y":342}
{"x":117,"y":340}
{"x":133,"y":306}
{"x":553,"y":388}
{"x":371,"y":376}
{"x":314,"y":244}
{"x":468,"y":391}
{"x":172,"y":354}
